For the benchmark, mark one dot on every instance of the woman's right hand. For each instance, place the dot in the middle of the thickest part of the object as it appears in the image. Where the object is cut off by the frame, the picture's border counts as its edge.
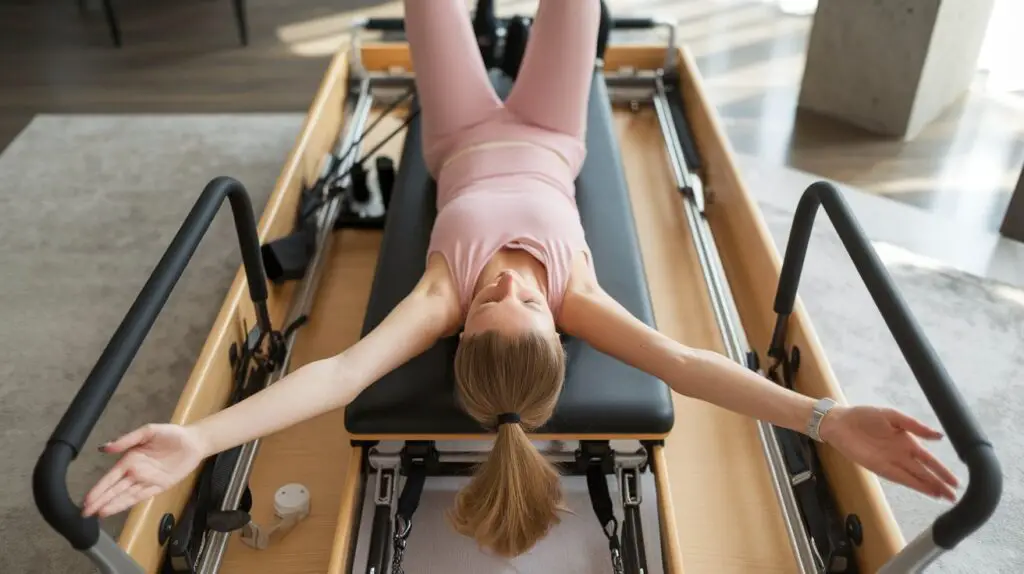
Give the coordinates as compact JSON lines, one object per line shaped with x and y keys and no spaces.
{"x":156,"y":457}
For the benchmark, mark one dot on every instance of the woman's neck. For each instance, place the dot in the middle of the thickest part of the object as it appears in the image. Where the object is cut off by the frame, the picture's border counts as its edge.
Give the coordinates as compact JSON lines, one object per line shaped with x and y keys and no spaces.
{"x":522,"y":262}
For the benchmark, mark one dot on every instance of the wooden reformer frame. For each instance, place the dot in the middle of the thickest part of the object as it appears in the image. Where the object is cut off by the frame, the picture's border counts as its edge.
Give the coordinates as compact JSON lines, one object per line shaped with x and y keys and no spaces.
{"x":721,"y":508}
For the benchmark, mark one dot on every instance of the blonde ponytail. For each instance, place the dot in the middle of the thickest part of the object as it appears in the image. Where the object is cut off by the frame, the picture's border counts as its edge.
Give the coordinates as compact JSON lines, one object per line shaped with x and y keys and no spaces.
{"x":514,"y":497}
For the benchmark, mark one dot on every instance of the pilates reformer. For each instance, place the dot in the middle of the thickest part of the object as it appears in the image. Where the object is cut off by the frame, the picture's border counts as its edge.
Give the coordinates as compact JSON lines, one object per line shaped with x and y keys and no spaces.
{"x":612,"y":422}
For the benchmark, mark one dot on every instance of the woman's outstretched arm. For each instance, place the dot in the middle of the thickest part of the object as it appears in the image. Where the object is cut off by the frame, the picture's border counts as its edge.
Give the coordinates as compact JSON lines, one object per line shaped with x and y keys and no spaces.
{"x":158,"y":456}
{"x":880,"y":439}
{"x":330,"y":383}
{"x":594,"y":316}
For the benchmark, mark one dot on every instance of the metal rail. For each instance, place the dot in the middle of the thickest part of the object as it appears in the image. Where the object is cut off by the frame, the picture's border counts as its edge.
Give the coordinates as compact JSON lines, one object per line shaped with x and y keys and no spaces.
{"x":726,"y":316}
{"x":213,"y":553}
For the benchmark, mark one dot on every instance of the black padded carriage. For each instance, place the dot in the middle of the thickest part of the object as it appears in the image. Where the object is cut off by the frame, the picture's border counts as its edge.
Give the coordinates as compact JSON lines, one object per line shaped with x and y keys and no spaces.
{"x":602,"y":396}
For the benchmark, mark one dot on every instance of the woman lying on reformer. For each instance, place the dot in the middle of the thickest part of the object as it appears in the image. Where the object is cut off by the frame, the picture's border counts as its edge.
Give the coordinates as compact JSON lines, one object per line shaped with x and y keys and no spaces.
{"x":509,"y":265}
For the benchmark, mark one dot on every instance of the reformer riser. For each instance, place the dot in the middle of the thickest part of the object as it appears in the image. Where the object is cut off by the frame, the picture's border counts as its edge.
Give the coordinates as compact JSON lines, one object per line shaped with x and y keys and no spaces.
{"x":746,"y":258}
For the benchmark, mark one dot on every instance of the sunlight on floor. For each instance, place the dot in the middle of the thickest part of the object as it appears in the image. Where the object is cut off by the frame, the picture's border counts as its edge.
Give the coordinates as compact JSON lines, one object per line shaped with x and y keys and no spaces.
{"x":325,"y":35}
{"x":717,"y":22}
{"x":730,"y":36}
{"x":960,"y":175}
{"x":893,"y":255}
{"x":1001,"y":52}
{"x":1010,"y":293}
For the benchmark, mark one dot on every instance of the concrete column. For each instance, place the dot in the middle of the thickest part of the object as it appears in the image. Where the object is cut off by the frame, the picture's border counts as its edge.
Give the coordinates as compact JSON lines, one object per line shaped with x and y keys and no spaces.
{"x":891,"y":66}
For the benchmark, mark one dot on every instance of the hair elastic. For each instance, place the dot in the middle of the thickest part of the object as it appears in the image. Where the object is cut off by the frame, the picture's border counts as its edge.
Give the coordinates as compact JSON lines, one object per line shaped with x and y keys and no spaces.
{"x":508,"y":418}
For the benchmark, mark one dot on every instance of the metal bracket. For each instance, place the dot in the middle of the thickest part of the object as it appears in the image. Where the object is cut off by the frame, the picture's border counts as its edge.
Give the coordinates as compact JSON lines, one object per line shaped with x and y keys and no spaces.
{"x":355,"y":52}
{"x":595,"y":452}
{"x":384,"y":492}
{"x":419,"y":452}
{"x":670,"y":48}
{"x":629,"y":486}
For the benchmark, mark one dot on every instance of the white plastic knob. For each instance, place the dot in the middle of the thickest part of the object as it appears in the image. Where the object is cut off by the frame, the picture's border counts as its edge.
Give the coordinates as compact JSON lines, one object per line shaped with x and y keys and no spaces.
{"x":291,"y":499}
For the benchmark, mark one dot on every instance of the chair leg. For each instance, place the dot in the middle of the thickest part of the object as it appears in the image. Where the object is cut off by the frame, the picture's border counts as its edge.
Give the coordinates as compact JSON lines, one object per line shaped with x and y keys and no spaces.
{"x":115,"y":31}
{"x":243,"y":26}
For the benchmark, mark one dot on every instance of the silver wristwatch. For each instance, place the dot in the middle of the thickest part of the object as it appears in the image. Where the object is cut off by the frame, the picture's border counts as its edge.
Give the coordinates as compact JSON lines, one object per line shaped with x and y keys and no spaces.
{"x":821,"y":408}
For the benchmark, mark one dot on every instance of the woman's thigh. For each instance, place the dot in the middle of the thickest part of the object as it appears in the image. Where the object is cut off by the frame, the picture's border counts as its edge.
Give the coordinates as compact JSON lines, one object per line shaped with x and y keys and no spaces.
{"x":553,"y":86}
{"x":452,"y":86}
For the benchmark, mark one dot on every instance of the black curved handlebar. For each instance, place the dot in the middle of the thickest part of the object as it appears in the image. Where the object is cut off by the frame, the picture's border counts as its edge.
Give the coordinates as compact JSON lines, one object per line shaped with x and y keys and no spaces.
{"x":49,"y":478}
{"x":985,"y":484}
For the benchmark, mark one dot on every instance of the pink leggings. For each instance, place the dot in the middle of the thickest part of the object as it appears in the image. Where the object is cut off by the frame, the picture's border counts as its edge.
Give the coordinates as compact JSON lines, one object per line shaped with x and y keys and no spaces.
{"x":551,"y":91}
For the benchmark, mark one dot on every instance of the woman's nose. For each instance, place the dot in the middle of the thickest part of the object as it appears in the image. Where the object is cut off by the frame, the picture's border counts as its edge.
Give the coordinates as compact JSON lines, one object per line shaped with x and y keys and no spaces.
{"x":506,"y":286}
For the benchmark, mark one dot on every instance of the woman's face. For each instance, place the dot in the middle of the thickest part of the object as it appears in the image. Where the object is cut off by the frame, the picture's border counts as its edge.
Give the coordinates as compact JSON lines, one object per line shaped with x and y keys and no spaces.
{"x":510,"y":305}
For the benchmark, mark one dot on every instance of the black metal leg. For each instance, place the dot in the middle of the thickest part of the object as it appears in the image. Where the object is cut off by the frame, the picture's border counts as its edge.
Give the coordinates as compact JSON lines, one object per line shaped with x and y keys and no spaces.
{"x":243,"y":26}
{"x":634,"y":555}
{"x":380,"y":540}
{"x":115,"y":30}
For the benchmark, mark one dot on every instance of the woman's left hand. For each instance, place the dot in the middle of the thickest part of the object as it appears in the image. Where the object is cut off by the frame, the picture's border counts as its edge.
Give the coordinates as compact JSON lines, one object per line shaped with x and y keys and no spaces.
{"x":884,"y":441}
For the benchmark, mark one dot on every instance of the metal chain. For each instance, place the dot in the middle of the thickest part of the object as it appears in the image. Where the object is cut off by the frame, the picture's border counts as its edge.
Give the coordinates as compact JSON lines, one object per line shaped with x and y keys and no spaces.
{"x":617,"y":566}
{"x":401,"y":535}
{"x":611,"y":530}
{"x":396,"y":562}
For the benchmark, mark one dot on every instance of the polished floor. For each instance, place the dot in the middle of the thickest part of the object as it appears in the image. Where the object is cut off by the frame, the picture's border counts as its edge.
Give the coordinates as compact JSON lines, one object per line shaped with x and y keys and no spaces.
{"x":185,"y":57}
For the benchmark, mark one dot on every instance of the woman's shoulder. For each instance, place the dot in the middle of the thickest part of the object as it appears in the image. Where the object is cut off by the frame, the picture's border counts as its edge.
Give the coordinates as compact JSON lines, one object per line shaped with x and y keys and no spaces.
{"x":582,"y":276}
{"x":438,"y":286}
{"x":582,"y":284}
{"x":437,"y":279}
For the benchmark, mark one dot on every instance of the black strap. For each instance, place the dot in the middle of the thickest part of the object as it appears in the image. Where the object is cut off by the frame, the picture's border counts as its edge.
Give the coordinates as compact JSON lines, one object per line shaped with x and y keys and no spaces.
{"x":601,"y":500}
{"x":202,"y":511}
{"x":183,"y":546}
{"x":819,"y":511}
{"x":298,"y":322}
{"x":408,"y":502}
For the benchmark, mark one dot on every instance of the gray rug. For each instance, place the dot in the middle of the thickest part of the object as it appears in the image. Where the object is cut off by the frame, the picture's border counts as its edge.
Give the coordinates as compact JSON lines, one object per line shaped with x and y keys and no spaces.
{"x":88,"y":204}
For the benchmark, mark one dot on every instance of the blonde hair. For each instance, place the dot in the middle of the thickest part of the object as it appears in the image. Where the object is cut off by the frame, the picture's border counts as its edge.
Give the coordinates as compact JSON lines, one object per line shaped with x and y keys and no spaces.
{"x":515,"y":496}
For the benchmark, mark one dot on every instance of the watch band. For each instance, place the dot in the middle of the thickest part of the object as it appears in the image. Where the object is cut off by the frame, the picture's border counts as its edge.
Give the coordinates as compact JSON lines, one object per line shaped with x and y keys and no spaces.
{"x":821,"y":408}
